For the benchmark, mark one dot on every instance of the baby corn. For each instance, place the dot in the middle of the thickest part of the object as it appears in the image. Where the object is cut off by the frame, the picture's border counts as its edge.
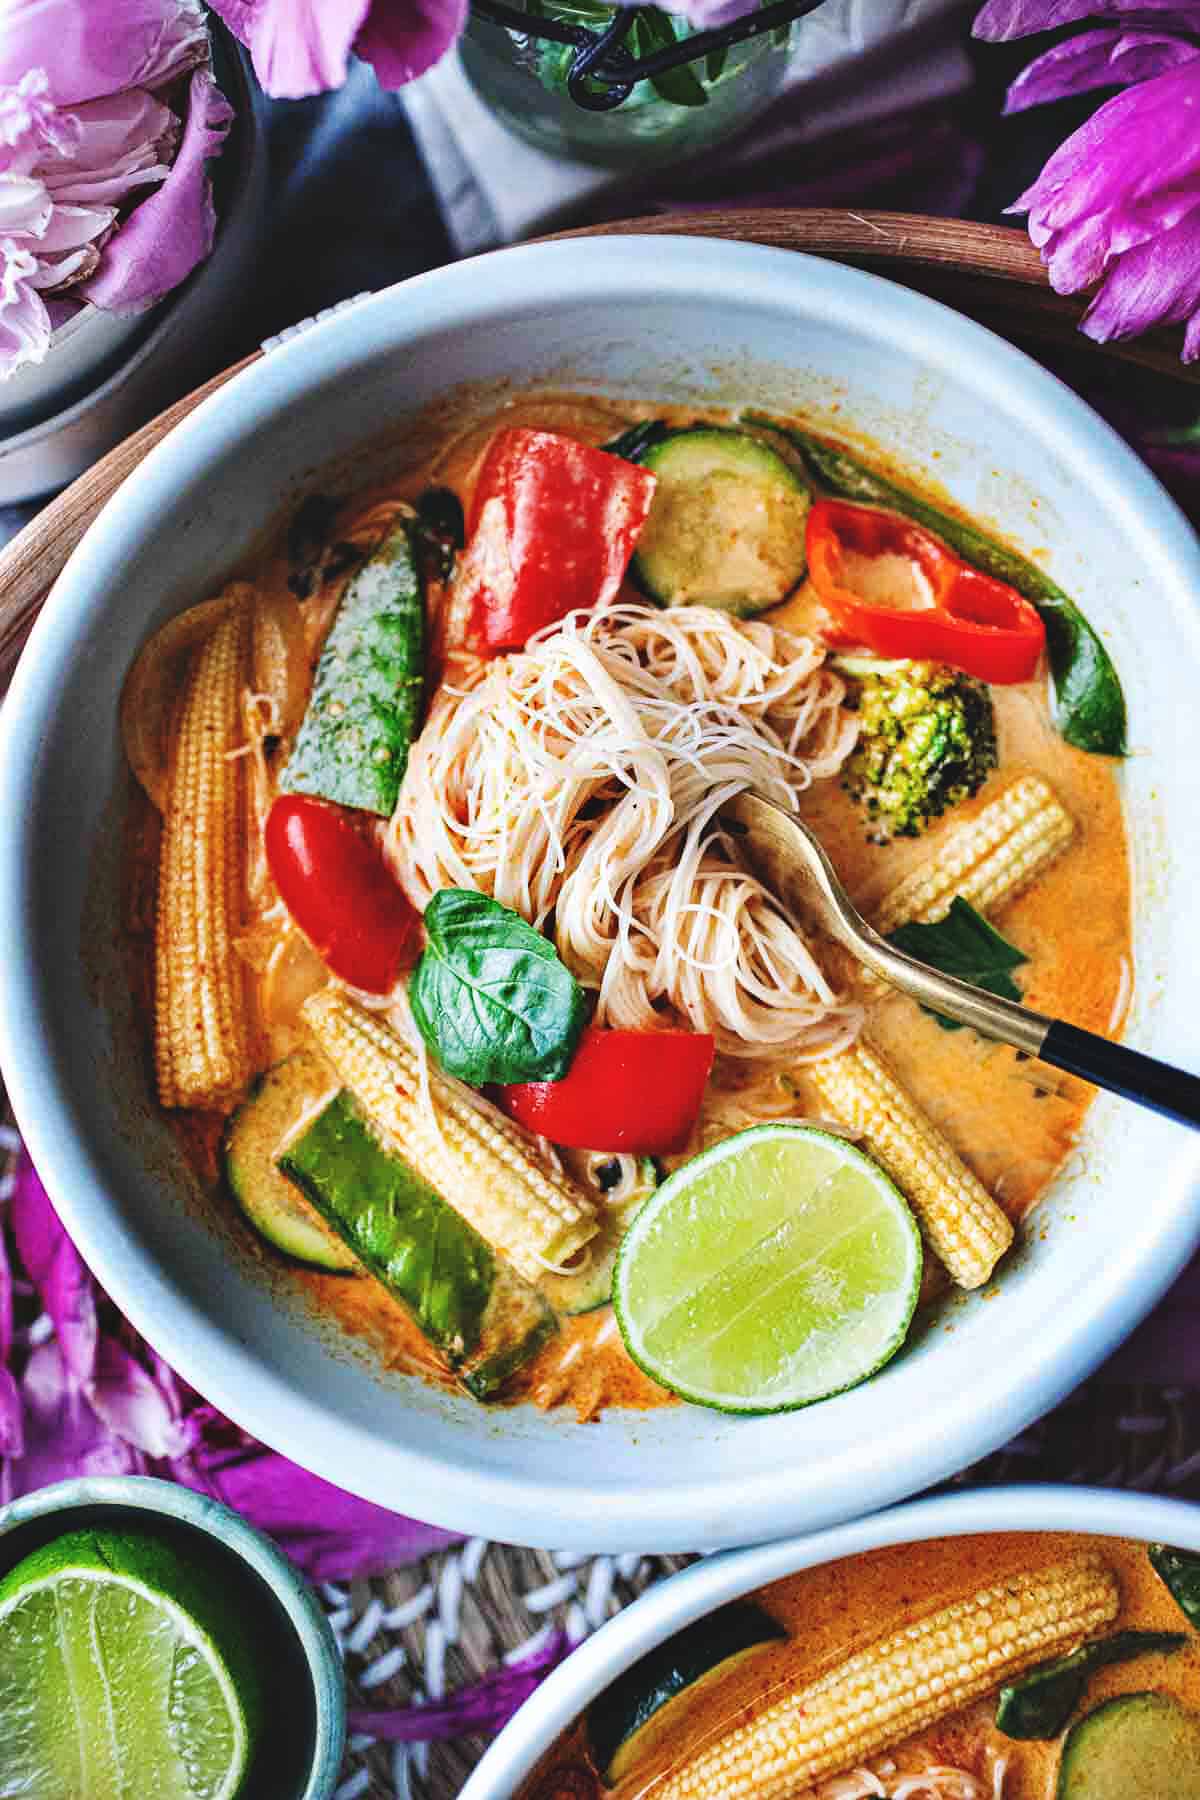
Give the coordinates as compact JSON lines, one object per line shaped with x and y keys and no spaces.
{"x":987,"y":860}
{"x":958,"y":1217}
{"x":485,"y":1167}
{"x":914,"y":1677}
{"x":202,"y":1037}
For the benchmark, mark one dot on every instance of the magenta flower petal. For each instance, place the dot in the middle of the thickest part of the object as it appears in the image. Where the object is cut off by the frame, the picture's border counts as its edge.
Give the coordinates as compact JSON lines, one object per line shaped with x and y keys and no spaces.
{"x":167,"y":235}
{"x":90,"y":48}
{"x":133,"y":1407}
{"x":57,"y":1271}
{"x":1129,"y":174}
{"x":126,"y":142}
{"x":12,"y":1416}
{"x":999,"y":20}
{"x":25,"y":207}
{"x":1110,"y":57}
{"x":63,"y":1436}
{"x":481,"y":1708}
{"x":299,"y":47}
{"x":12,"y":1433}
{"x":331,"y":1535}
{"x":24,"y":321}
{"x":6,"y":1301}
{"x":1156,"y":283}
{"x":401,"y":42}
{"x":31,"y":124}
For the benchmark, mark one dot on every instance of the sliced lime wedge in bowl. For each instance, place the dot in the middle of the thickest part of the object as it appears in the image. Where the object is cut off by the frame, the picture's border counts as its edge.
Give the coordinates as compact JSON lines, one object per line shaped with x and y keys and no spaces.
{"x":122,"y":1672}
{"x":773,"y":1270}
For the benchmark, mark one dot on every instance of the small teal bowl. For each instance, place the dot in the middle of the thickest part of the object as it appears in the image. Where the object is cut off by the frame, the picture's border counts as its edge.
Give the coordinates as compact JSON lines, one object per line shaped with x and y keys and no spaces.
{"x":305,"y":1730}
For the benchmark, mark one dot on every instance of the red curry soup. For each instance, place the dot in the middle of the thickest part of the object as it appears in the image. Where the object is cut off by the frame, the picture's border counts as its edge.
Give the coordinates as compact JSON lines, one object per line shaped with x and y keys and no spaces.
{"x":457,"y":986}
{"x":1039,"y":1666}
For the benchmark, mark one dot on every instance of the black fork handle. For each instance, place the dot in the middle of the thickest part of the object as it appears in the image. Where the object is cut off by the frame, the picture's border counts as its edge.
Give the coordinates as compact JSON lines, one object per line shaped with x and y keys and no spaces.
{"x":1124,"y":1071}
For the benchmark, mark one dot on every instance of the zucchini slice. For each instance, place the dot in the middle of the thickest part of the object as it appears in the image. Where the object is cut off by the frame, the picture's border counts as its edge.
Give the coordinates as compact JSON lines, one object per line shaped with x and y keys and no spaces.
{"x":630,"y":1718}
{"x":592,"y":1287}
{"x":274,"y":1111}
{"x":365,"y":705}
{"x":475,"y":1311}
{"x":727,"y":525}
{"x":1136,"y":1747}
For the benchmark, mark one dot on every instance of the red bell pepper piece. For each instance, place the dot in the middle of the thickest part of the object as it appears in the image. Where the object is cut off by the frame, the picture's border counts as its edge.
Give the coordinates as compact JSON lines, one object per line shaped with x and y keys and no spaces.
{"x":340,"y":892}
{"x":638,"y":1091}
{"x":553,"y":525}
{"x":947,"y":612}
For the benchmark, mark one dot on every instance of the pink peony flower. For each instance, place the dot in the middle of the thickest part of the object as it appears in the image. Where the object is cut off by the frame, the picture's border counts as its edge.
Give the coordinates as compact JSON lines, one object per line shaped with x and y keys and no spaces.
{"x":1000,"y":20}
{"x":100,"y":47}
{"x":1117,"y":207}
{"x":170,"y":233}
{"x":1110,"y":57}
{"x":85,"y":134}
{"x":303,"y":47}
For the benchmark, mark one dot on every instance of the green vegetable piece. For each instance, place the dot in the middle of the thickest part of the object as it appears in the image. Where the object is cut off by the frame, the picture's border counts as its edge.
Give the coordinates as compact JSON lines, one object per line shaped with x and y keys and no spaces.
{"x":623,"y":1720}
{"x":1180,"y":1570}
{"x":491,"y":996}
{"x":274,"y":1108}
{"x":364,"y":709}
{"x":926,"y":741}
{"x":653,"y":31}
{"x":1041,"y":1702}
{"x":714,"y":63}
{"x":728,"y":523}
{"x":472,"y":1307}
{"x":1136,"y":1747}
{"x":1090,"y":709}
{"x":963,"y":944}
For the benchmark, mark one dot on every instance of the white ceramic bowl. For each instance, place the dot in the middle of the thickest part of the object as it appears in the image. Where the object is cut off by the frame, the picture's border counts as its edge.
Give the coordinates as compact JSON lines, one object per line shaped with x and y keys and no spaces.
{"x":686,"y":320}
{"x":667,"y":1608}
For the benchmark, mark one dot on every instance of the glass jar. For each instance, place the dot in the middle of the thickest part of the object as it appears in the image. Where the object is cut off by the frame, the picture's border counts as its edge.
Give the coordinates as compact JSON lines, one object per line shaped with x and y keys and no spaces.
{"x":523,"y":80}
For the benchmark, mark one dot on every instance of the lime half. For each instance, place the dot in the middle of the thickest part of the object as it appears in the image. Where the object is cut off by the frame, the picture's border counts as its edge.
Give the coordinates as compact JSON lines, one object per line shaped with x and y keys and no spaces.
{"x":123,"y":1671}
{"x":777,"y":1268}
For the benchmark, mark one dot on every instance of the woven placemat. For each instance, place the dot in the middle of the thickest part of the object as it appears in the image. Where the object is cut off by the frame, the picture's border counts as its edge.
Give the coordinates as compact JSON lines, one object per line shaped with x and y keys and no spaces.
{"x":418,"y":1633}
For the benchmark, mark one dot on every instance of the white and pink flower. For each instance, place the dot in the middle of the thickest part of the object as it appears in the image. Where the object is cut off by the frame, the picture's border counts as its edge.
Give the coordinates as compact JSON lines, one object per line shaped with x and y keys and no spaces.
{"x":108,"y":117}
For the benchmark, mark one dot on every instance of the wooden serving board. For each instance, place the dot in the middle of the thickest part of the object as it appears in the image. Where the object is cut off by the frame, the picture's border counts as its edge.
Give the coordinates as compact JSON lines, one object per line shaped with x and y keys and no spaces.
{"x":990,"y":272}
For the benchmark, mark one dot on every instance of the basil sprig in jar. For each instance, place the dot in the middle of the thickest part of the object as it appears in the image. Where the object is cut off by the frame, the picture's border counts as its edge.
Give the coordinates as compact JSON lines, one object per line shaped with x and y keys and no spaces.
{"x":525,"y":79}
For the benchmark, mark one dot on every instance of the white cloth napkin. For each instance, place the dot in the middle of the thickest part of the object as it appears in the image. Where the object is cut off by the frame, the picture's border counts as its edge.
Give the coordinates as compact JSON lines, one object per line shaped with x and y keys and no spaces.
{"x":855,"y":61}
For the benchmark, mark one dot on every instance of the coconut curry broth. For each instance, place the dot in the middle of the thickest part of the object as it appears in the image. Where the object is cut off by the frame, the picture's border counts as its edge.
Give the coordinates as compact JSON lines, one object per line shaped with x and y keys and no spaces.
{"x":832,"y":1612}
{"x":1012,"y":1120}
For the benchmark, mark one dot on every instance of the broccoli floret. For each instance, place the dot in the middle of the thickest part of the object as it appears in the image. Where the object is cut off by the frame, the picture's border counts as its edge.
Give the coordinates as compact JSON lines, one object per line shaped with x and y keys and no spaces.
{"x":927,"y":739}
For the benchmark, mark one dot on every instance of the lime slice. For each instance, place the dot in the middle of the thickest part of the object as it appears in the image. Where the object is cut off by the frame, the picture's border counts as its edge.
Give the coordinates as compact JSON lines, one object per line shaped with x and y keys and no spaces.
{"x":777,"y":1268}
{"x":123,"y":1671}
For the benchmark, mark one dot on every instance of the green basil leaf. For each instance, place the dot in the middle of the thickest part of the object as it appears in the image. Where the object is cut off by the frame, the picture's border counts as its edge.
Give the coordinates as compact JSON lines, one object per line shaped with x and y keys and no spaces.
{"x":1180,"y":1570}
{"x":963,"y":944}
{"x":1041,"y":1702}
{"x":1089,"y":703}
{"x":714,"y":62}
{"x":681,"y":86}
{"x":491,"y":996}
